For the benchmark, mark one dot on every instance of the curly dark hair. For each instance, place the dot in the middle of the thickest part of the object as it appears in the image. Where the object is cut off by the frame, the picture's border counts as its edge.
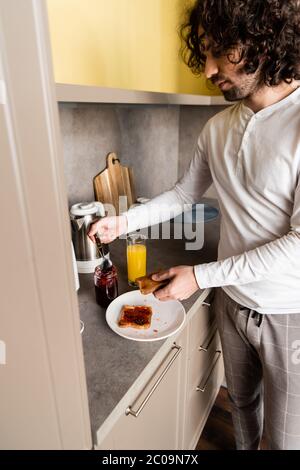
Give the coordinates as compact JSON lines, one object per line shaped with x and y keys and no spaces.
{"x":267,"y":33}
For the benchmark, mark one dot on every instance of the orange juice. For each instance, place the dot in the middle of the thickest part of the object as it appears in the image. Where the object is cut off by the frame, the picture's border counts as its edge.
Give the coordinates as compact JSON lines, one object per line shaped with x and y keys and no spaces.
{"x":136,"y":262}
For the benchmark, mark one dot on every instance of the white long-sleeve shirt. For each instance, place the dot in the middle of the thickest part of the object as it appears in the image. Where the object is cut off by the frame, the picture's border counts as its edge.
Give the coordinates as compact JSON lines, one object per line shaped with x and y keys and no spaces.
{"x":254,"y":162}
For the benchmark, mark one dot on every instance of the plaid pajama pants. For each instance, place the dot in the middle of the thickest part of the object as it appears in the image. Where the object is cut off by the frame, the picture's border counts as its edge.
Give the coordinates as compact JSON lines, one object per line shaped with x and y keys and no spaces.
{"x":262,"y":368}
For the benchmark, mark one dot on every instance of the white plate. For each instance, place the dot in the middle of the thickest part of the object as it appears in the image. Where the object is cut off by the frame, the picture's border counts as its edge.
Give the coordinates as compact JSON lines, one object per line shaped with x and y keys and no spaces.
{"x":167,"y":317}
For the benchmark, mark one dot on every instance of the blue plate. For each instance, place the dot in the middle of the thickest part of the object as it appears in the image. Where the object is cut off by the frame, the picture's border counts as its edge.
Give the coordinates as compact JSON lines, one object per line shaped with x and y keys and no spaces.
{"x":210,"y":213}
{"x":189,"y":217}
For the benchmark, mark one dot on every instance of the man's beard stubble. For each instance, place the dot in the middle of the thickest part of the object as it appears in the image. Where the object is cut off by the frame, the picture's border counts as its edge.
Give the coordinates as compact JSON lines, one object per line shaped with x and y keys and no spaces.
{"x":249,"y":85}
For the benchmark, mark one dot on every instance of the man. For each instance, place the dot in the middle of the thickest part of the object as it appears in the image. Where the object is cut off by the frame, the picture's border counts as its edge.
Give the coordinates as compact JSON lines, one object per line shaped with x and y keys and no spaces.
{"x":251,"y":151}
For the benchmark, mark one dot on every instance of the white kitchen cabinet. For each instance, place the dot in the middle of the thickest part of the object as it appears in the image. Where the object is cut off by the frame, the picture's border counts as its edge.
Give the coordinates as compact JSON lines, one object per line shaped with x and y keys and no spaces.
{"x":152,"y":419}
{"x":169,"y":408}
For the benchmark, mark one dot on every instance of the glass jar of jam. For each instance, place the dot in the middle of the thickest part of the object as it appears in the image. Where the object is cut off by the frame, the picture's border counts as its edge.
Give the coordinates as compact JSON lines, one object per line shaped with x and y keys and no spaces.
{"x":106,"y":285}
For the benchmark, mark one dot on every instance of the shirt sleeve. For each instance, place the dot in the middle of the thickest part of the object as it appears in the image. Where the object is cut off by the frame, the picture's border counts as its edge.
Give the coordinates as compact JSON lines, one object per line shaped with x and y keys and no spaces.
{"x":258,"y":264}
{"x":188,"y":190}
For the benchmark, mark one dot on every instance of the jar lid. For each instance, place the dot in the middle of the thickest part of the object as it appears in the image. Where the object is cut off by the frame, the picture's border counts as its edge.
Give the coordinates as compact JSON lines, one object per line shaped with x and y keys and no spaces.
{"x":87,"y":208}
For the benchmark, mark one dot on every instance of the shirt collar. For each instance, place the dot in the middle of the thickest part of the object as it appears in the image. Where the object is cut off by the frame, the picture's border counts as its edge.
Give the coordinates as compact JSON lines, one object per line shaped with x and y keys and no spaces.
{"x":291,"y":98}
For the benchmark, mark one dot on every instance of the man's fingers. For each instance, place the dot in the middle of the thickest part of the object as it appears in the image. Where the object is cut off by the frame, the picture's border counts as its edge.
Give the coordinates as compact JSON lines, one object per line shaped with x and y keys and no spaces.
{"x":107,"y":238}
{"x":94,"y":228}
{"x":161,"y":276}
{"x":165,"y":299}
{"x":162,"y":299}
{"x":163,"y":293}
{"x":92,"y":231}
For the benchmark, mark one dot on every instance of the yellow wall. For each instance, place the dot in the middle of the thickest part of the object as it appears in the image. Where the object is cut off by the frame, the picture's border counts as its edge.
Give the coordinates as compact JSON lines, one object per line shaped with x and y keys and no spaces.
{"x":131,"y":44}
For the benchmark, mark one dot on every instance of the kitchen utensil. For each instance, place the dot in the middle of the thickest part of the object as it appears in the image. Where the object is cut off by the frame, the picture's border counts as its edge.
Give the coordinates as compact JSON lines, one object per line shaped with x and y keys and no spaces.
{"x":82,"y":215}
{"x":99,"y":245}
{"x":115,"y":181}
{"x":167,"y":318}
{"x":106,"y":263}
{"x":105,"y":278}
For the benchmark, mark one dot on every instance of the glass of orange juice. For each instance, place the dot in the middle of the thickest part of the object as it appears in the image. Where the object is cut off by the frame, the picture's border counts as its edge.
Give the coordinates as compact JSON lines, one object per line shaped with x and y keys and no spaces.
{"x":136,"y":257}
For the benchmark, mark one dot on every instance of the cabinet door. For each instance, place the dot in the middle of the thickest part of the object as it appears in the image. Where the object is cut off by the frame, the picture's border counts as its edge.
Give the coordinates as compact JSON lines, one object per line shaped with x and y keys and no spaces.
{"x":205,"y":375}
{"x":130,"y":44}
{"x":152,"y":420}
{"x":44,"y":401}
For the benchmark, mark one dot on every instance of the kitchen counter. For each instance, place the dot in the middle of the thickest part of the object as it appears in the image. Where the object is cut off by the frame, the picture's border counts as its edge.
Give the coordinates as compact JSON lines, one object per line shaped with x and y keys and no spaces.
{"x":114,"y":363}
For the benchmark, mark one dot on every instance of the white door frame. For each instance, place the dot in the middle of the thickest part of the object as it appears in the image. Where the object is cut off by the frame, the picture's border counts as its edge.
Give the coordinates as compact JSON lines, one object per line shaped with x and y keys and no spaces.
{"x":43,"y":401}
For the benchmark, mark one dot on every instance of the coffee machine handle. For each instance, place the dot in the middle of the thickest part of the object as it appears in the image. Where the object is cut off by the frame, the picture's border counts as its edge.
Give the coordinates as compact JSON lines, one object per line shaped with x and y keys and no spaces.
{"x":101,"y":210}
{"x":77,"y":223}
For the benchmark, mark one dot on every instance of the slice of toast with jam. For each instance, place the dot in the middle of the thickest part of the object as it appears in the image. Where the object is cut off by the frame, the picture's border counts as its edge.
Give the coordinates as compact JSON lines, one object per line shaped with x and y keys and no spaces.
{"x":135,"y":316}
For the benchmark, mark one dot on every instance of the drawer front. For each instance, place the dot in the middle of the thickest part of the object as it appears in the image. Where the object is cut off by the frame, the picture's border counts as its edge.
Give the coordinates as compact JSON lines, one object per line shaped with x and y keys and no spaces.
{"x":151,"y":420}
{"x":200,"y":325}
{"x":202,"y":357}
{"x":205,"y":376}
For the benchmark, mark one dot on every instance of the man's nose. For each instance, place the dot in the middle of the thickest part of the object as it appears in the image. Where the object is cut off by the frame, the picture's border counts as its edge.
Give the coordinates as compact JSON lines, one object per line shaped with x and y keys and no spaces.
{"x":211,"y":67}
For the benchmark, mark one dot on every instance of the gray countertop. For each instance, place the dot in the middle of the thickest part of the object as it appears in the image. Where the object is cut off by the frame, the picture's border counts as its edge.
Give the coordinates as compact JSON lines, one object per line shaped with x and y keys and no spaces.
{"x":105,"y":352}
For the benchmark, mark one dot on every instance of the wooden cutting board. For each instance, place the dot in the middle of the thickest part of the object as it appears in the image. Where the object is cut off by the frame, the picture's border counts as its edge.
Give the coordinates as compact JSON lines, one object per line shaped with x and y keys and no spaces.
{"x":116,"y":180}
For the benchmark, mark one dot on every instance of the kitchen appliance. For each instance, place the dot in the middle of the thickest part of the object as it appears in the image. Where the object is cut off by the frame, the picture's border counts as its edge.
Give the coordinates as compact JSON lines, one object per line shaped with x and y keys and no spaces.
{"x":82,"y":215}
{"x":115,"y":181}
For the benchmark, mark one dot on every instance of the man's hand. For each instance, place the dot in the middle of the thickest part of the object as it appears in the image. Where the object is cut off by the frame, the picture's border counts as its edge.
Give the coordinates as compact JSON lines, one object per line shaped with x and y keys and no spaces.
{"x":181,"y":286}
{"x":108,"y":228}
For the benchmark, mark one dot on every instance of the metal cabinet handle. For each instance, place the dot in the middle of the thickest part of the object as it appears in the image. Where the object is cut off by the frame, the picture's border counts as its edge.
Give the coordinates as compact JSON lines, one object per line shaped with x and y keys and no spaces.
{"x":205,"y":347}
{"x":202,"y":386}
{"x":129,"y":410}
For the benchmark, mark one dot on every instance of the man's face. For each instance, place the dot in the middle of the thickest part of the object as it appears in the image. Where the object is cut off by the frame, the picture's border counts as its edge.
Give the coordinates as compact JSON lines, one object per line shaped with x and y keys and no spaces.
{"x":229,"y":77}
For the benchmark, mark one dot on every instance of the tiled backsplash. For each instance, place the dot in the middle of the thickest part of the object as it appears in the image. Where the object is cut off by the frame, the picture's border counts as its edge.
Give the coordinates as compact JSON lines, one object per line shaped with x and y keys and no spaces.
{"x":156,"y":141}
{"x":150,"y":146}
